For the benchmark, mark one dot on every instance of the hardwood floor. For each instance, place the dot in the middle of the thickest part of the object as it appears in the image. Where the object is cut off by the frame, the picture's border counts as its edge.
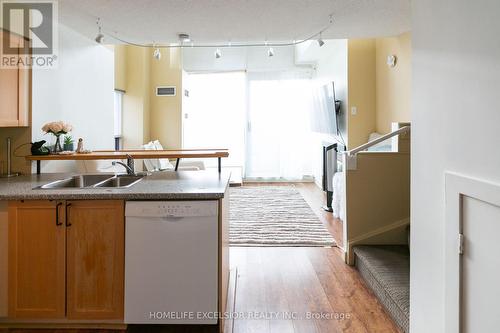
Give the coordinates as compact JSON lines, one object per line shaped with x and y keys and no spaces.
{"x":304,"y":282}
{"x":299,"y":290}
{"x":316,"y":198}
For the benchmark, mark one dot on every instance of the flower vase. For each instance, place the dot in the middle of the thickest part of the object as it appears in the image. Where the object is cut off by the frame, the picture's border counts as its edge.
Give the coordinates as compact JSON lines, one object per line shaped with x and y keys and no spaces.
{"x":57,"y":146}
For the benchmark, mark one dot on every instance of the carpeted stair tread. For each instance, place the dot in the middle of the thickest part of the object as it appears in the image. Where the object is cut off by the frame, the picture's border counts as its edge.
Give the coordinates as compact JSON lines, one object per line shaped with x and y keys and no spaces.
{"x":386,"y":269}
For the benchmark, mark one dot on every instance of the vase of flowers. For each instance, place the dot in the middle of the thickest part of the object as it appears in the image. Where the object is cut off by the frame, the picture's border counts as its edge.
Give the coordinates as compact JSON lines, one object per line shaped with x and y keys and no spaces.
{"x":69,"y":143}
{"x":57,"y":128}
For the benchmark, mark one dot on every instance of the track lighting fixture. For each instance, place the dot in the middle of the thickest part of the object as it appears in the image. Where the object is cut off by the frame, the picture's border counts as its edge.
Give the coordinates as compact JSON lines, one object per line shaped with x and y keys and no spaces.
{"x":100,"y":37}
{"x":157,"y":53}
{"x":218,"y":53}
{"x":320,"y":41}
{"x":184,"y":38}
{"x":185,"y":41}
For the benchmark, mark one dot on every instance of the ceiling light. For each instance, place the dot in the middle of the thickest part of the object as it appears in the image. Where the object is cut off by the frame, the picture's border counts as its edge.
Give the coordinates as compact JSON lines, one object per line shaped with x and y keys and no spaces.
{"x":157,"y":53}
{"x":218,"y":54}
{"x":100,"y":37}
{"x":184,"y":38}
{"x":270,"y":52}
{"x":321,"y":42}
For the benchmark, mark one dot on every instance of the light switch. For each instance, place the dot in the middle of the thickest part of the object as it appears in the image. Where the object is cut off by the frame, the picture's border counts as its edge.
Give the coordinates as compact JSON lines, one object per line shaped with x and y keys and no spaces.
{"x":354,"y":110}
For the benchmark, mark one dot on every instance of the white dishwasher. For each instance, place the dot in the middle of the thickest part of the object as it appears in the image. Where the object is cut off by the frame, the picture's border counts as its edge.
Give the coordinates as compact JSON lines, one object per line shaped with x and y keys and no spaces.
{"x":171,"y":260}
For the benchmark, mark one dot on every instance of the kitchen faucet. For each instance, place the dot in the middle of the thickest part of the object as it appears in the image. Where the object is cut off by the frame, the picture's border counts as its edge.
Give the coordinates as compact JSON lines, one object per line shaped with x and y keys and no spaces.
{"x":129,"y":166}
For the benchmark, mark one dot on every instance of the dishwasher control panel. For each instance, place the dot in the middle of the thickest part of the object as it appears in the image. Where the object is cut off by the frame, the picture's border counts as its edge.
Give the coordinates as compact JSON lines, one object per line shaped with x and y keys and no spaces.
{"x":171,"y":208}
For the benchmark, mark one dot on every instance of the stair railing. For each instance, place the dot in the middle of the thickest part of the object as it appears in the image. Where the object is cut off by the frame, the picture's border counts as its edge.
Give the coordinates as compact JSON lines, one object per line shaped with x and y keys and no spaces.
{"x":372,"y":143}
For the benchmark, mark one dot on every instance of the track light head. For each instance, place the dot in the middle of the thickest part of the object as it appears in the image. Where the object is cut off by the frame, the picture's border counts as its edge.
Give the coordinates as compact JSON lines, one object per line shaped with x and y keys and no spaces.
{"x":270,"y":52}
{"x":320,"y":40}
{"x":184,"y":38}
{"x":157,"y":54}
{"x":100,"y":37}
{"x":218,"y":53}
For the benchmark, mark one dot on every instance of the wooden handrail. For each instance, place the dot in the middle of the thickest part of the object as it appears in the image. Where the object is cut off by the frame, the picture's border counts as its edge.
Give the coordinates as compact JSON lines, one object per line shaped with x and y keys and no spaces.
{"x":378,"y":140}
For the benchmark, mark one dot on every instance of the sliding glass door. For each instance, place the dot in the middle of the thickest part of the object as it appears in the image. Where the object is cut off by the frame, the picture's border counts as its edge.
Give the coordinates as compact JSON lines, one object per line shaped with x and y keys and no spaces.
{"x":214,"y":112}
{"x":263,"y":118}
{"x":278,"y":142}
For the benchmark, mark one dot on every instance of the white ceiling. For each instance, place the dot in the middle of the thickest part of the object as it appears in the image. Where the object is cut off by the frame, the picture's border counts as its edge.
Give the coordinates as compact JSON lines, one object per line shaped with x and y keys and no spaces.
{"x":211,"y":21}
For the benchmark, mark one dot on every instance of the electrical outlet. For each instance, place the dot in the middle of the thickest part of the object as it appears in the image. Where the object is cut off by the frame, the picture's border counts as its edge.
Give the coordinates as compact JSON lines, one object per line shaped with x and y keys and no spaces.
{"x":354,"y":110}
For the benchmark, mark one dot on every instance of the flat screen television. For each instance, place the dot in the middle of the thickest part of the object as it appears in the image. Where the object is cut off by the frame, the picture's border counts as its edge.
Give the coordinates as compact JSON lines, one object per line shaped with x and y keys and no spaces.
{"x":325,"y":115}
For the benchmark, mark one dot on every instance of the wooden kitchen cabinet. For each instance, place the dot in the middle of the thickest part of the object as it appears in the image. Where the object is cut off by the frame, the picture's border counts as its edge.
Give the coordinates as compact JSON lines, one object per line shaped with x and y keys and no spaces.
{"x":37,"y":246}
{"x":71,"y":269}
{"x":15,"y":92}
{"x":95,"y":259}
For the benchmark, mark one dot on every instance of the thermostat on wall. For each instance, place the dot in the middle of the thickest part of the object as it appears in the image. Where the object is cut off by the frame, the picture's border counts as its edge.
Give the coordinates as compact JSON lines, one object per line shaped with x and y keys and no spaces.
{"x":166,"y":91}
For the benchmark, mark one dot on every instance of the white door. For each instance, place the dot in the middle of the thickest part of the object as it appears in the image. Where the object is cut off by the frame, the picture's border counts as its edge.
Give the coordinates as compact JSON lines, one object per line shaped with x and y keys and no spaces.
{"x":480,"y":267}
{"x":472,"y":264}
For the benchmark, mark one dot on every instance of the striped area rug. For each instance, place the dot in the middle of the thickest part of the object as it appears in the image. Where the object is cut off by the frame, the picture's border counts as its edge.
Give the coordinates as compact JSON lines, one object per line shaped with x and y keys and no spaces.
{"x":274,"y":216}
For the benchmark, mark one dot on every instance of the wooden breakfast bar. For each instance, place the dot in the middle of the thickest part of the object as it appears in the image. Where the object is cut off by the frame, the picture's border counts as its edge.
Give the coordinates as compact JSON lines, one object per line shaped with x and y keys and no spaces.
{"x":133,"y":154}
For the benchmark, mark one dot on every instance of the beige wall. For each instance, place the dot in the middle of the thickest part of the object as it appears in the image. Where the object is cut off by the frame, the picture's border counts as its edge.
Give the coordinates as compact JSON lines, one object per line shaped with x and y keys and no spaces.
{"x":136,"y":99}
{"x":380,"y":93}
{"x":120,"y":67}
{"x":377,"y":199}
{"x":147,"y":116}
{"x":166,"y":111}
{"x":393,"y":84}
{"x":361,"y":90}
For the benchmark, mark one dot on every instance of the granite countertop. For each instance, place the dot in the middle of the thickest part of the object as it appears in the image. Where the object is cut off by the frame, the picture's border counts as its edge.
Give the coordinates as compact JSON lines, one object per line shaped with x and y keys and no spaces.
{"x":170,"y":185}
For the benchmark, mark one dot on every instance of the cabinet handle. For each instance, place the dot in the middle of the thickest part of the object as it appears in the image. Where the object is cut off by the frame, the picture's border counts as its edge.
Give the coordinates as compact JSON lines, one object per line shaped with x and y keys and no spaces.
{"x":57,"y":214}
{"x":68,"y":224}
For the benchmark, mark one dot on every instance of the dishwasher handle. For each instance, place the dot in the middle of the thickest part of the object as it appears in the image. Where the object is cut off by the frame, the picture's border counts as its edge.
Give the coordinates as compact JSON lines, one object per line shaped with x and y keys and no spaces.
{"x":170,"y":218}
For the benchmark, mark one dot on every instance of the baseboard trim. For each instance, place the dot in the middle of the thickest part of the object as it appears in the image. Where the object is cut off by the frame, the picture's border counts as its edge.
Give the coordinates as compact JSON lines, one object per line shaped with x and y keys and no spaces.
{"x":67,"y":325}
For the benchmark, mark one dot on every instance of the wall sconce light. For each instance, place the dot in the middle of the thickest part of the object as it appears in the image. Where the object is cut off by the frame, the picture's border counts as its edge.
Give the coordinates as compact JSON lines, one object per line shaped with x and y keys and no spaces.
{"x":392,"y":60}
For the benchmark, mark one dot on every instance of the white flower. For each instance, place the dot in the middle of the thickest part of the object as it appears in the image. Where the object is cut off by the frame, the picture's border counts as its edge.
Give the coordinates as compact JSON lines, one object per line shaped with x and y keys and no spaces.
{"x":67,"y":127}
{"x":57,"y":127}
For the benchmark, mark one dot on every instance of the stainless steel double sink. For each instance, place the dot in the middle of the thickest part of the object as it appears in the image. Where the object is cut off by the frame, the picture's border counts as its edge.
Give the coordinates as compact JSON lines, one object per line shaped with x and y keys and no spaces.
{"x":93,"y":182}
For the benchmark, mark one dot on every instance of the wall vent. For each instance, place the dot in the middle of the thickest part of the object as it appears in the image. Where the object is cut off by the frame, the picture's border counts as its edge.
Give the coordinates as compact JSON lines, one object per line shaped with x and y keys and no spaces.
{"x":165,"y":91}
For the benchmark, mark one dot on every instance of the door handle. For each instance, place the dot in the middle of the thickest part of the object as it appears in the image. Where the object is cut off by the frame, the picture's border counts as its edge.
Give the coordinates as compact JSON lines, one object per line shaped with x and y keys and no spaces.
{"x":57,"y":214}
{"x":68,"y":223}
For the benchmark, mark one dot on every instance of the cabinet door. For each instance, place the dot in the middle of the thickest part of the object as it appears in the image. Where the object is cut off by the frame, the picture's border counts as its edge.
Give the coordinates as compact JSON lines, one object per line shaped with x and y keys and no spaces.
{"x":95,"y":259}
{"x":36,"y":260}
{"x":15,"y":92}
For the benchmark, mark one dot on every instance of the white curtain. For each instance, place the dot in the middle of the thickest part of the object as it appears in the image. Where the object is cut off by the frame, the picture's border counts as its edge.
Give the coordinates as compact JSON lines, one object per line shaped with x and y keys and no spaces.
{"x":214,"y":114}
{"x":279,"y":137}
{"x":263,"y":118}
